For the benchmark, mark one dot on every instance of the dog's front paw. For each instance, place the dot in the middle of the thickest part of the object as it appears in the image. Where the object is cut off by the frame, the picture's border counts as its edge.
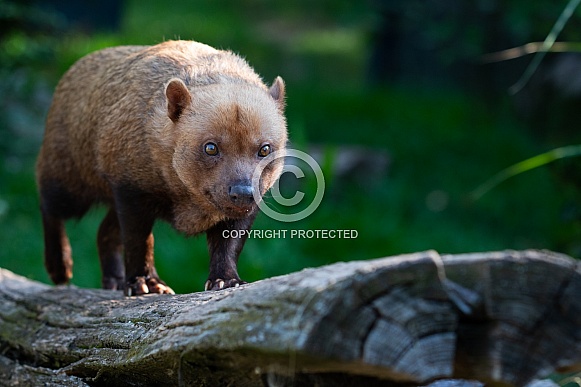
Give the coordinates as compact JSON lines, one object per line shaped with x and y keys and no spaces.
{"x":219,"y":283}
{"x":146,"y":285}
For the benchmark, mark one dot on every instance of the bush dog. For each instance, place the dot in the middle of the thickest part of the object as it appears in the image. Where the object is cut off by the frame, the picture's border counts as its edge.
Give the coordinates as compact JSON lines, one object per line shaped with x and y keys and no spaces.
{"x":172,"y":131}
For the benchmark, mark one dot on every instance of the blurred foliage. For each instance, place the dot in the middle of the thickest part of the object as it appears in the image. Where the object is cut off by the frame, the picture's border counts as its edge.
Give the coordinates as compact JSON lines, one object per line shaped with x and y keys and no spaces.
{"x":385,"y":75}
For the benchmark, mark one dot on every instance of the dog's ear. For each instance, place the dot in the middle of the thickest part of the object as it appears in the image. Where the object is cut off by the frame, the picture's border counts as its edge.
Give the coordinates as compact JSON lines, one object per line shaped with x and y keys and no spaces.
{"x":277,"y":92}
{"x":178,"y":98}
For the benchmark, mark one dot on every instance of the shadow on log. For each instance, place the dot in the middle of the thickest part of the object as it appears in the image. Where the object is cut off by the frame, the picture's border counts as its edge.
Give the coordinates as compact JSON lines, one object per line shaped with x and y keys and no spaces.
{"x":506,"y":317}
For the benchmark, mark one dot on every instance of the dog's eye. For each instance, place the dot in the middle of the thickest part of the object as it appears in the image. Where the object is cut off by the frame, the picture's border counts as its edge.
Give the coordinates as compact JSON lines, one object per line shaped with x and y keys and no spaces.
{"x":211,"y":149}
{"x":264,"y":150}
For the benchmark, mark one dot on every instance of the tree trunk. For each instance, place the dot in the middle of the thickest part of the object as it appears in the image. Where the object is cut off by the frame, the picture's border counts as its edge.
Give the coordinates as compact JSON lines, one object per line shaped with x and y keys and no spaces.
{"x":505,"y":317}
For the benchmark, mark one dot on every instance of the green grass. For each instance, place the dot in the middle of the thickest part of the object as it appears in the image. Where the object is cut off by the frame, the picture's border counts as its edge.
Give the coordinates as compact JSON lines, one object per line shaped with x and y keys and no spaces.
{"x":442,"y":144}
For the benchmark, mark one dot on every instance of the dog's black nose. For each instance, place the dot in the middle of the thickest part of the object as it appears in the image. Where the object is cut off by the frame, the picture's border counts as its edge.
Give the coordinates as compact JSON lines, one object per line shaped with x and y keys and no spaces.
{"x":241,"y":194}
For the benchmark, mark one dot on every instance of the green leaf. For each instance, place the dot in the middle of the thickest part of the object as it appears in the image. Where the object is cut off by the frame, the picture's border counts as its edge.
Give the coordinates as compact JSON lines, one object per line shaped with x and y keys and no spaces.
{"x":526,"y":165}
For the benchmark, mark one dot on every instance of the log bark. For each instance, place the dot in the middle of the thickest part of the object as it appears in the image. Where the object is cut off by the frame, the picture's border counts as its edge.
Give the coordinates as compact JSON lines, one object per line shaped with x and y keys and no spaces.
{"x":505,"y":317}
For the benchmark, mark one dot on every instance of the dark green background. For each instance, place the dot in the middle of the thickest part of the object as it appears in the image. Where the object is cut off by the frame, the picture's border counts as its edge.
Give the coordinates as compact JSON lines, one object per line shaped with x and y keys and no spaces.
{"x":404,"y":78}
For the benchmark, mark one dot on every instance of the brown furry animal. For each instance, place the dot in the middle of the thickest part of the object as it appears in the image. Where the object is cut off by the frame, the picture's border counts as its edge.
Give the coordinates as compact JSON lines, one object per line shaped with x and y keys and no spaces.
{"x":172,"y":131}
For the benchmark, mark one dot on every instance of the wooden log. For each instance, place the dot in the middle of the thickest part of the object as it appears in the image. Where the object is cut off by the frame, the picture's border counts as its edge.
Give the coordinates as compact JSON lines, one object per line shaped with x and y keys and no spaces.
{"x":505,"y":317}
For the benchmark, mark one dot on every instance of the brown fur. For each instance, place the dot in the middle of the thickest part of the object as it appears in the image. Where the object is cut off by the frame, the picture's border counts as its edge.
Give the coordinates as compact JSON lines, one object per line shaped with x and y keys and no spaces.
{"x":127,"y":127}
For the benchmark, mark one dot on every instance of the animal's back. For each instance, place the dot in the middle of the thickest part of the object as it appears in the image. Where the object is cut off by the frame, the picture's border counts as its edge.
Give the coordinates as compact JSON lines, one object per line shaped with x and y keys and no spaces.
{"x":67,"y":156}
